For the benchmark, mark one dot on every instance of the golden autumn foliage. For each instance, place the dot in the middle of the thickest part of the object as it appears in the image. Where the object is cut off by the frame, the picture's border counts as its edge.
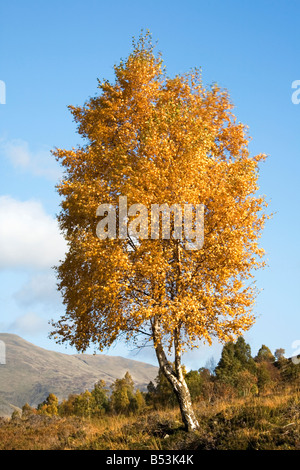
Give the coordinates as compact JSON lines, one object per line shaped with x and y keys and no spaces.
{"x":159,"y":140}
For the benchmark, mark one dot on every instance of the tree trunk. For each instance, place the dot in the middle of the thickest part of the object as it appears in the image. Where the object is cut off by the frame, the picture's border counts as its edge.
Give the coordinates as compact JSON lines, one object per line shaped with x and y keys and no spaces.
{"x":185,"y":404}
{"x":177,"y":380}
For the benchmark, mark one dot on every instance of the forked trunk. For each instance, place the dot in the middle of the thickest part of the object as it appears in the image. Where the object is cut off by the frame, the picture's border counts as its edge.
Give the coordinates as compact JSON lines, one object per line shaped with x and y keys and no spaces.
{"x":177,"y":381}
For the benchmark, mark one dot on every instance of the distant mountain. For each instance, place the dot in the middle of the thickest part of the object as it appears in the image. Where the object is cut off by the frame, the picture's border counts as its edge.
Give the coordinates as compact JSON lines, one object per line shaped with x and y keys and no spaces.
{"x":30,"y":373}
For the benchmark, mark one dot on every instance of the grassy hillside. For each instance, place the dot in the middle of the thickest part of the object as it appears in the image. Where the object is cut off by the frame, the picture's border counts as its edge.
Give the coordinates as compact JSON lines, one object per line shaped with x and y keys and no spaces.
{"x":31,"y":373}
{"x":261,"y":423}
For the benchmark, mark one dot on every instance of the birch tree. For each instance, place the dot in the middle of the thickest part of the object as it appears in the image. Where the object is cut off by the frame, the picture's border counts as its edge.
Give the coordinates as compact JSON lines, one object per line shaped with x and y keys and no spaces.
{"x":155,"y":141}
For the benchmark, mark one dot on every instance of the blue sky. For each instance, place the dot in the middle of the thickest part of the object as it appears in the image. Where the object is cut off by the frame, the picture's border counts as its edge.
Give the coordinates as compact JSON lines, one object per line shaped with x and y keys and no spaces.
{"x":51,"y":54}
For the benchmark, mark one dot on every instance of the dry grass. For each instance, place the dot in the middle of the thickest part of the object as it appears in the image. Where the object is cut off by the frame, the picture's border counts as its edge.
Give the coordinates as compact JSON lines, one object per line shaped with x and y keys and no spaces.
{"x":261,"y":423}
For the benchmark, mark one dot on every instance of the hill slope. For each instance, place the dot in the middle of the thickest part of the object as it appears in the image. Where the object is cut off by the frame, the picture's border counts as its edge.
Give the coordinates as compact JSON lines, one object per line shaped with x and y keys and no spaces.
{"x":31,"y":373}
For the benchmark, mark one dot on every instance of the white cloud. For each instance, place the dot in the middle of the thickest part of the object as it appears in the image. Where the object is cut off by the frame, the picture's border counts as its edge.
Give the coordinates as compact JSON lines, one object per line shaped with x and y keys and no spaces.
{"x":40,"y":289}
{"x":39,"y":162}
{"x":28,"y":236}
{"x":29,"y":323}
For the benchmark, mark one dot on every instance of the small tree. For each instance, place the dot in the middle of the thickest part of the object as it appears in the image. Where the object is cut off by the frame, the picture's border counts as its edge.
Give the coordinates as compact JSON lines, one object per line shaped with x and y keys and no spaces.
{"x":162,"y":393}
{"x":157,"y":140}
{"x":123,"y":399}
{"x":228,"y":365}
{"x":237,"y":367}
{"x":279,"y":354}
{"x":16,"y":415}
{"x":67,"y":407}
{"x":264,"y":377}
{"x":194,"y":382}
{"x":100,"y":395}
{"x":84,"y":404}
{"x":27,"y":410}
{"x":120,"y":400}
{"x":140,"y":401}
{"x":243,"y":355}
{"x":264,"y":355}
{"x":246,"y":383}
{"x":208,"y":383}
{"x":49,"y":406}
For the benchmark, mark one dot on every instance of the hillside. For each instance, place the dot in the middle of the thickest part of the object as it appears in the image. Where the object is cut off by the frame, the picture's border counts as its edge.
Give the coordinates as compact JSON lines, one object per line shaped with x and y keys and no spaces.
{"x":31,"y":373}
